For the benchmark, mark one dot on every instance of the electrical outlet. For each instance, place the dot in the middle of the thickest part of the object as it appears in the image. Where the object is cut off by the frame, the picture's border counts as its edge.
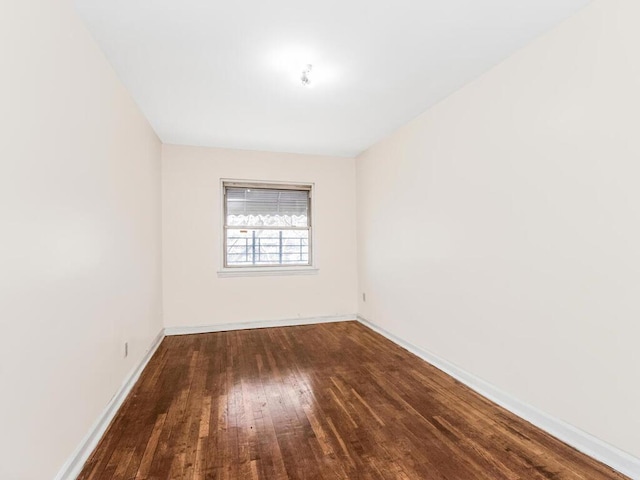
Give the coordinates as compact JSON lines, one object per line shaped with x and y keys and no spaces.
{"x":126,"y":349}
{"x":364,"y":297}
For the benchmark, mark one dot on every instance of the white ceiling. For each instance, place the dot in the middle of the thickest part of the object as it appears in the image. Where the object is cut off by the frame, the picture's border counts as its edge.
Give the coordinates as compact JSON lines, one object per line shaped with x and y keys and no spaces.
{"x":227,"y":73}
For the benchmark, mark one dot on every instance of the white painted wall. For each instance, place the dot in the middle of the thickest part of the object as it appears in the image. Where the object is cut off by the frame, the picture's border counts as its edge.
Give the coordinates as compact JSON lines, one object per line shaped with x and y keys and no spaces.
{"x":193,"y":294}
{"x":79,"y":236}
{"x":500,"y":230}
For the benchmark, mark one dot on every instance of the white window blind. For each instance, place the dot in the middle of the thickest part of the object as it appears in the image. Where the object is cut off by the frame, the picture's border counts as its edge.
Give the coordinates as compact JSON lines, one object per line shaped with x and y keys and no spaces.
{"x":267,"y":225}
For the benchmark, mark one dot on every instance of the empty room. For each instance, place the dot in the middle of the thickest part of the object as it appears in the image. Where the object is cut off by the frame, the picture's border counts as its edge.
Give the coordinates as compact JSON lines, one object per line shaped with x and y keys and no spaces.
{"x":351,"y":239}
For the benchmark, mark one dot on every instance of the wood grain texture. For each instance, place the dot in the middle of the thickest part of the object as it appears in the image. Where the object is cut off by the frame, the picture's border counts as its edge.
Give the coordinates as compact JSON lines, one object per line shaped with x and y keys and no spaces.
{"x":329,"y":401}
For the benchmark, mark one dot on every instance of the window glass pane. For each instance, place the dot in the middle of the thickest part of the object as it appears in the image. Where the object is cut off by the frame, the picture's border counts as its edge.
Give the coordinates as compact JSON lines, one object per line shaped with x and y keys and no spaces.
{"x":247,"y":247}
{"x":256,"y":207}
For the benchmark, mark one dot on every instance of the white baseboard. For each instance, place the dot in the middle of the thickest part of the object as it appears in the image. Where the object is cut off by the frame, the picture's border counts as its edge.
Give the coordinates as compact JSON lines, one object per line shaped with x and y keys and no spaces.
{"x":578,"y":439}
{"x":582,"y":441}
{"x":73,"y":466}
{"x":289,"y":322}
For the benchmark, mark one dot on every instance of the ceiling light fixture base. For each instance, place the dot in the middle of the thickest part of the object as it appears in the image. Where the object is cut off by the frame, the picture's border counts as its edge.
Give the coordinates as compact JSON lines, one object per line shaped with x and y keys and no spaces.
{"x":306,"y":81}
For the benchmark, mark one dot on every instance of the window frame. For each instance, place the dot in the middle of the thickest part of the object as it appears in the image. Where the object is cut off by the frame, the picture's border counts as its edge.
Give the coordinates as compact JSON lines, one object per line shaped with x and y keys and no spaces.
{"x":269,"y":269}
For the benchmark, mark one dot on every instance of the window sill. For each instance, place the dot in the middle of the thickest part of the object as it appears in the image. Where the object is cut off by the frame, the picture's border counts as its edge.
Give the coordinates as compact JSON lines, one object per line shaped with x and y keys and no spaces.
{"x":266,"y":271}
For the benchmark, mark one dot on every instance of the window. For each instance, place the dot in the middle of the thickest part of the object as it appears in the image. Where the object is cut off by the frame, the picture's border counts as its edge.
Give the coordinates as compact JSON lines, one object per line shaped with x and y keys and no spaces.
{"x":267,"y":225}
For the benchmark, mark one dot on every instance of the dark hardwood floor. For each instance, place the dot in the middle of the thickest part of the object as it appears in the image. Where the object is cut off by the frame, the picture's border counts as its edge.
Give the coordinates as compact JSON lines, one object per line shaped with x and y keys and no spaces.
{"x":331,"y":401}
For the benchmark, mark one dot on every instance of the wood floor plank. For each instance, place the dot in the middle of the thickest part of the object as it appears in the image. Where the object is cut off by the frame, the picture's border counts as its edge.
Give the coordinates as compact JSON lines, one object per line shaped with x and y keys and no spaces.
{"x":317,"y":402}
